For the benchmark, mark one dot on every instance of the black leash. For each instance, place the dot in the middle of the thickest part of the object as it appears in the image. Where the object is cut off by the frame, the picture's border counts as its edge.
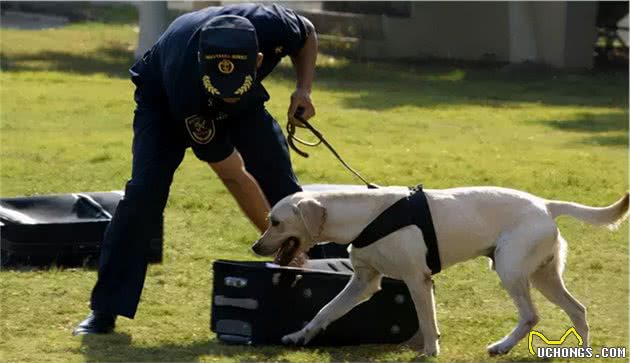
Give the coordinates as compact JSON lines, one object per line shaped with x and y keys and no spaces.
{"x":321,"y":140}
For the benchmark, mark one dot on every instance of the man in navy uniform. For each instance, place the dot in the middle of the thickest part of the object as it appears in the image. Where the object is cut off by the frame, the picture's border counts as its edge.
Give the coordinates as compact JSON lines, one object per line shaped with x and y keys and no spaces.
{"x":199,"y":87}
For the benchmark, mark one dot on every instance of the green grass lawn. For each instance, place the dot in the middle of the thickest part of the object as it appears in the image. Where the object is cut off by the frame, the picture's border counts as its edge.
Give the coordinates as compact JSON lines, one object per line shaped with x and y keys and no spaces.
{"x":66,"y":112}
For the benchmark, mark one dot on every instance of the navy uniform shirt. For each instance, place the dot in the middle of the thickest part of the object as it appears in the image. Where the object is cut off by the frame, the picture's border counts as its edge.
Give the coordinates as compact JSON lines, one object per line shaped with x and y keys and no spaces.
{"x":173,"y":68}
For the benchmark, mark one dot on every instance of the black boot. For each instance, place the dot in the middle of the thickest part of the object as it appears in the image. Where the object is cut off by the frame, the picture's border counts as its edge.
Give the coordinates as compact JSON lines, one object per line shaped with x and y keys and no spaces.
{"x":96,"y":323}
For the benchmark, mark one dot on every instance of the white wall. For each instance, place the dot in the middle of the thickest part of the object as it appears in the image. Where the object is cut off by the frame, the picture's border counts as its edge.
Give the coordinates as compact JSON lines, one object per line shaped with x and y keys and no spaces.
{"x":460,"y":30}
{"x":556,"y":33}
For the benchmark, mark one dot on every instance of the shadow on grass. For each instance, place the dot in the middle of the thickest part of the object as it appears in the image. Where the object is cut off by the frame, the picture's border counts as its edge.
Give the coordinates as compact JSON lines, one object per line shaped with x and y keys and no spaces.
{"x":118,"y":347}
{"x":616,"y":141}
{"x":381,"y":86}
{"x":614,"y":124}
{"x":113,"y":60}
{"x":79,"y":11}
{"x":528,"y":358}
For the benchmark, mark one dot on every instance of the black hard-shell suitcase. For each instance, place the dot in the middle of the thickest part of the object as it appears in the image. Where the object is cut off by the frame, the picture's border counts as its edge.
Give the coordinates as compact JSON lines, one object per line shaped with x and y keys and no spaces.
{"x":66,"y":229}
{"x":258,"y":303}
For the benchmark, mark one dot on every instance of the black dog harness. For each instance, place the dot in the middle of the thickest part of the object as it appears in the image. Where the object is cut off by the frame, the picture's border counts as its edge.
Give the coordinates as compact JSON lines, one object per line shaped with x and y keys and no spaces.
{"x":410,"y":210}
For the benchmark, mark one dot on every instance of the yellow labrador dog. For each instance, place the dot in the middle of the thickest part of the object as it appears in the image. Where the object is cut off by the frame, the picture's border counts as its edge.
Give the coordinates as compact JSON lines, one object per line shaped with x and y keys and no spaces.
{"x":516,"y":229}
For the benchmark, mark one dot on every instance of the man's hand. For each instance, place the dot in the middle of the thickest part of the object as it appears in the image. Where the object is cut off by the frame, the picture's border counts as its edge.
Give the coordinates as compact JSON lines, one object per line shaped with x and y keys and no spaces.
{"x":300,"y":98}
{"x":304,"y":63}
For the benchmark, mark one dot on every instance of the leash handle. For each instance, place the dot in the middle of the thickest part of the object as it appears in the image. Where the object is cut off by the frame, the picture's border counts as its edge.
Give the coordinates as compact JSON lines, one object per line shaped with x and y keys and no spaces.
{"x":291,"y":137}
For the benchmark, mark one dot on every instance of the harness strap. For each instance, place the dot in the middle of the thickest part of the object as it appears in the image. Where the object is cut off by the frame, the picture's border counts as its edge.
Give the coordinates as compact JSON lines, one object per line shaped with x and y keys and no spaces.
{"x":410,"y":210}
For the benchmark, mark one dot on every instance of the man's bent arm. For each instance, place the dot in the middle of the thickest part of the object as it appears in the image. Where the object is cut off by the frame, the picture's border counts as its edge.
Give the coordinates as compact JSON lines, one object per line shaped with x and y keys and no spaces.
{"x":244,"y":188}
{"x":304,"y":63}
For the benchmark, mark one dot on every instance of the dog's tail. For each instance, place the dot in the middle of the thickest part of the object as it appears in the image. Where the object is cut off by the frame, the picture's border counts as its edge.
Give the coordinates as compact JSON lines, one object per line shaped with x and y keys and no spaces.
{"x":610,"y":216}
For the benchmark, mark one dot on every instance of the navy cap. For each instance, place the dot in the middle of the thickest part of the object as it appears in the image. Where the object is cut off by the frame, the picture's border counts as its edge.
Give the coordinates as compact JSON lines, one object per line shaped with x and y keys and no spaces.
{"x":228,"y":47}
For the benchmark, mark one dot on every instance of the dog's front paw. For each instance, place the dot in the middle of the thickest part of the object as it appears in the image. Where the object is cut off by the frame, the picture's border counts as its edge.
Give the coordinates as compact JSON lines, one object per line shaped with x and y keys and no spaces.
{"x":296,"y":338}
{"x":301,"y":337}
{"x":431,"y":350}
{"x":499,"y":348}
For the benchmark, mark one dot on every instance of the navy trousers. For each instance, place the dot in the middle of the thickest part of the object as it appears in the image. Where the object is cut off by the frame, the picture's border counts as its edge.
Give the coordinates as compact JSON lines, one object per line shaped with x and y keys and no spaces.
{"x":158,"y":149}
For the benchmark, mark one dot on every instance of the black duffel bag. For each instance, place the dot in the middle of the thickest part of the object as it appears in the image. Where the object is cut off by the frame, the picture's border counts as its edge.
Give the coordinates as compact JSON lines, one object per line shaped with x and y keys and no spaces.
{"x":65,"y":229}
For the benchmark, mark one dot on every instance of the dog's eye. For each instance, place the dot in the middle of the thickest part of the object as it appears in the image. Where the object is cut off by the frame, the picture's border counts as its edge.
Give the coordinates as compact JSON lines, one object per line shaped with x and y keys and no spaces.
{"x":275,"y":223}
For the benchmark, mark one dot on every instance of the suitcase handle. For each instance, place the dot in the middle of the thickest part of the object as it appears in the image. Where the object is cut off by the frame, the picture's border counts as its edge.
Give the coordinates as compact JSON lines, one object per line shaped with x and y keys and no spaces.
{"x":232,"y":281}
{"x":94,"y":205}
{"x":234,"y":339}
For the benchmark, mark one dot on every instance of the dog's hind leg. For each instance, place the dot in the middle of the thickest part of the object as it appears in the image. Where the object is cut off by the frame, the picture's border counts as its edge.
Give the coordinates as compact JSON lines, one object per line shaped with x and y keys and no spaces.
{"x":364,"y":283}
{"x":518,"y":288}
{"x":518,"y":254}
{"x":548,"y":280}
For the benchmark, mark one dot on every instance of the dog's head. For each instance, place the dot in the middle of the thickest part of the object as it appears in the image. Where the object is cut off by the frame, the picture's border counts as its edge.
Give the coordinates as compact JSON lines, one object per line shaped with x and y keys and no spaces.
{"x":295,"y":225}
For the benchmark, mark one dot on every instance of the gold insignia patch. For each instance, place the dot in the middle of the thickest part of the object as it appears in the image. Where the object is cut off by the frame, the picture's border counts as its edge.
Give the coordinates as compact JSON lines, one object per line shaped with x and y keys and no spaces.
{"x":209,"y":87}
{"x":226,"y":66}
{"x":278,"y":50}
{"x":247,"y":84}
{"x":200,"y":129}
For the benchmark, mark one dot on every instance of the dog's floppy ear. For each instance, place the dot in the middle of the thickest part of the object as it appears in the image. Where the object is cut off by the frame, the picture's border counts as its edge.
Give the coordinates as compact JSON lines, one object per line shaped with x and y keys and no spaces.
{"x":313,"y":215}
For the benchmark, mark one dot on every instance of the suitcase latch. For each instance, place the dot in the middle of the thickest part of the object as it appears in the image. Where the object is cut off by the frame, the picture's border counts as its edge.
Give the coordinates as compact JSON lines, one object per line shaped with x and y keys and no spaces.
{"x":235,"y":281}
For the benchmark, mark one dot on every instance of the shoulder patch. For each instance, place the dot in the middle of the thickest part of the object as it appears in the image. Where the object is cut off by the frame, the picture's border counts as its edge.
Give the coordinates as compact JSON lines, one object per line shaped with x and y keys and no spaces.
{"x":200,"y":130}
